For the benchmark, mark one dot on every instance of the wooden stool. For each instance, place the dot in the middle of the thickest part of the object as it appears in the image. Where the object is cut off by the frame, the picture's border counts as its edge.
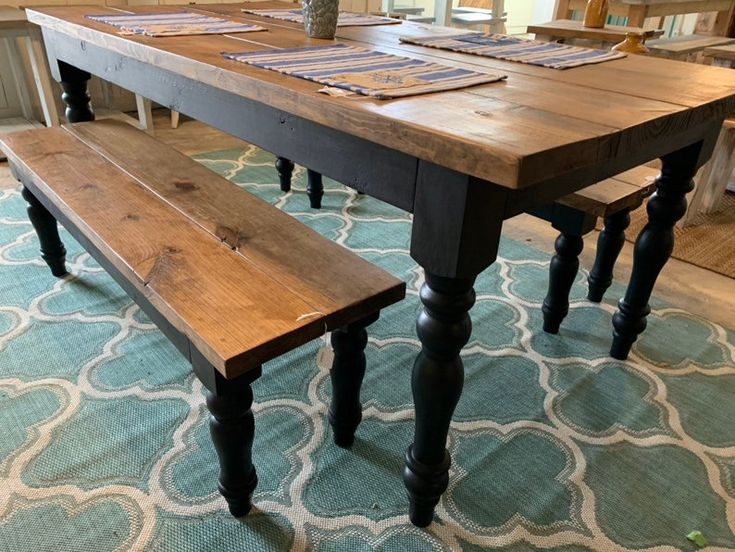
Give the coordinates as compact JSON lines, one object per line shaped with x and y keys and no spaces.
{"x":14,"y":25}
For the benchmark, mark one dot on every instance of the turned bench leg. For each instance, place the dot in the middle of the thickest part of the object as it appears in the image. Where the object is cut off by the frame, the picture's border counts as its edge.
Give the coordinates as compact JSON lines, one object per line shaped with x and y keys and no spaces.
{"x":232,"y":426}
{"x":562,"y":271}
{"x":284,"y":167}
{"x":572,"y":224}
{"x":348,"y":369}
{"x":52,"y":249}
{"x":314,"y":188}
{"x":609,"y":244}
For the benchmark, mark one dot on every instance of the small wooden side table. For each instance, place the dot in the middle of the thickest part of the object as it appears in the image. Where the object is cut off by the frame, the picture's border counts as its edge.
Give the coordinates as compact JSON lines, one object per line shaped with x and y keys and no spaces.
{"x":14,"y":25}
{"x":563,"y":29}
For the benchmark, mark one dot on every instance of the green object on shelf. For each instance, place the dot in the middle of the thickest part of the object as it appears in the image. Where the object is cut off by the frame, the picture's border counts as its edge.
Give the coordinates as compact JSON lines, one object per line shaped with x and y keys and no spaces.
{"x":697,"y":538}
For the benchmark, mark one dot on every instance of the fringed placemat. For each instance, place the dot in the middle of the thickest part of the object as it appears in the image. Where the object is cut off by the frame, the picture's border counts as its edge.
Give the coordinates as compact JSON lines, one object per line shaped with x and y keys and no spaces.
{"x":533,"y":52}
{"x":362,"y":71}
{"x":173,"y":24}
{"x":346,"y":19}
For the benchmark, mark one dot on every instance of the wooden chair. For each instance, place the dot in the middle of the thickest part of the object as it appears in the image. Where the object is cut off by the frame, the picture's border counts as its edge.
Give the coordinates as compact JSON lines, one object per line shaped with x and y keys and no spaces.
{"x":488,"y":14}
{"x":232,"y":281}
{"x":13,"y":26}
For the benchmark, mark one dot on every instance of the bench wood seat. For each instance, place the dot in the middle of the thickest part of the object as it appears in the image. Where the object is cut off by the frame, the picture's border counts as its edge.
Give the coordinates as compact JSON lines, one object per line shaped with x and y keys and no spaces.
{"x":623,"y":191}
{"x":682,"y":46}
{"x":242,"y":281}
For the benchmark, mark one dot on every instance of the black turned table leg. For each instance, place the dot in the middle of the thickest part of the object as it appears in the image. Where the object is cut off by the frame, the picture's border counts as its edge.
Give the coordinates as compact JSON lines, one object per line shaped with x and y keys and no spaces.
{"x":654,"y":245}
{"x":562,"y":271}
{"x":76,"y":96}
{"x":314,"y":188}
{"x":444,"y":327}
{"x":348,"y":370}
{"x":52,"y":250}
{"x":285,"y":170}
{"x":232,"y":427}
{"x":609,"y":244}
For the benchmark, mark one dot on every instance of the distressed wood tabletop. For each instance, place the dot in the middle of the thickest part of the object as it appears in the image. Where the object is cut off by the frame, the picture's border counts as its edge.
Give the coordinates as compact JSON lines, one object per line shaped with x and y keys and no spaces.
{"x":539,"y":125}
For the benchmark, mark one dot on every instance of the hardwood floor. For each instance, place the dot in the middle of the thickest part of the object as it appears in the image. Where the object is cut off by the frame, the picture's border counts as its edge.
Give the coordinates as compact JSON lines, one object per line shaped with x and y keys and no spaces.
{"x":695,"y":289}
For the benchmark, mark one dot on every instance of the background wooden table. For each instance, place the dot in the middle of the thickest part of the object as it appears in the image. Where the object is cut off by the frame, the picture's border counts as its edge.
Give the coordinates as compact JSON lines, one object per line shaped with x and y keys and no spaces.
{"x":460,"y":161}
{"x":637,"y":11}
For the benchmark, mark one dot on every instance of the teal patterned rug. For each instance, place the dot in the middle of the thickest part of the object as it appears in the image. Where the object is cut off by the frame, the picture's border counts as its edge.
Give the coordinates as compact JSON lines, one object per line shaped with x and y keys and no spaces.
{"x":104,"y":442}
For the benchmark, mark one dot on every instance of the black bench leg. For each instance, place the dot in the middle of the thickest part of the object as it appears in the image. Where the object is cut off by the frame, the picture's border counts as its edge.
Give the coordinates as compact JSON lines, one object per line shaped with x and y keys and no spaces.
{"x":348,"y":369}
{"x":573,"y":224}
{"x":444,"y":327}
{"x":232,"y":427}
{"x":52,"y":250}
{"x":562,"y":271}
{"x":654,"y":245}
{"x":609,"y":244}
{"x":76,"y":96}
{"x":314,"y":188}
{"x":285,"y":170}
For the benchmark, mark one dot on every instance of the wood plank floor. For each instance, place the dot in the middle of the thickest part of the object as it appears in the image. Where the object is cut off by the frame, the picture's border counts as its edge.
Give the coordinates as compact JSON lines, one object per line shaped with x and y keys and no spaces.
{"x":697,"y":290}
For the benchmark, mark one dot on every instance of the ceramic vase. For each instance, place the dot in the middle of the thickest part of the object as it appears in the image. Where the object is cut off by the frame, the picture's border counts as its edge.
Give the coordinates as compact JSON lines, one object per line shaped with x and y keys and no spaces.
{"x":320,"y":17}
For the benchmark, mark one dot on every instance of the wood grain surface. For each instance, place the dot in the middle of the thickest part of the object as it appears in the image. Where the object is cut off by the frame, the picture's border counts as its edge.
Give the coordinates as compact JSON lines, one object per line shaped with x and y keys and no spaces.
{"x":210,"y":269}
{"x":539,"y":125}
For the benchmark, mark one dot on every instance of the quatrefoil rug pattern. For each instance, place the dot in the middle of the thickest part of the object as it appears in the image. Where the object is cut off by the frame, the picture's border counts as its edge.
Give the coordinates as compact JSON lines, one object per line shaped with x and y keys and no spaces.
{"x":105,"y":444}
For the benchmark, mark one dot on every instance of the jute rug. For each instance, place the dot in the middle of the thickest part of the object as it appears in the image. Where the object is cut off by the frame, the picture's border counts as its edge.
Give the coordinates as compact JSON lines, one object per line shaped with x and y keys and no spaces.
{"x":104,"y":443}
{"x":709,"y":242}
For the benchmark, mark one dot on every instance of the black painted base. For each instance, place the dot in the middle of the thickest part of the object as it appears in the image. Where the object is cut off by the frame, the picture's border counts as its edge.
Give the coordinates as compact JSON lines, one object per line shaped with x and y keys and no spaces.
{"x":314,"y":188}
{"x":52,"y":249}
{"x":348,"y":370}
{"x":609,"y":244}
{"x":562,"y":272}
{"x":284,"y":167}
{"x":444,"y":327}
{"x":232,"y":427}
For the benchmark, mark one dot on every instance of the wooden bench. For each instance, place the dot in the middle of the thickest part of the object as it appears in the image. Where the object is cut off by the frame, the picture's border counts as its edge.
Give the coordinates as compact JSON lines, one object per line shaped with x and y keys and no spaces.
{"x":574,"y":216}
{"x":232,"y":281}
{"x":566,"y":29}
{"x":687,"y":47}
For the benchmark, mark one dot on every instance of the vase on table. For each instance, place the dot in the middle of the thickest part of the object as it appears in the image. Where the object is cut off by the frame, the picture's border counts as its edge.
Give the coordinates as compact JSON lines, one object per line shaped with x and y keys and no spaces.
{"x":320,"y":17}
{"x":595,"y":15}
{"x":634,"y":43}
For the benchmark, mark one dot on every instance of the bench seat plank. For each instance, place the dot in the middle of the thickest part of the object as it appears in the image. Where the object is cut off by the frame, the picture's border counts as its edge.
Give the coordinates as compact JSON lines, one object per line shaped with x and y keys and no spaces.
{"x":261,"y":234}
{"x":231,"y":309}
{"x":623,"y":191}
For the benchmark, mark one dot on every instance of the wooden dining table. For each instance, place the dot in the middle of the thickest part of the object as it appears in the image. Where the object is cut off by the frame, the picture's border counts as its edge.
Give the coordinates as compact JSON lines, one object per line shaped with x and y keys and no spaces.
{"x":461,"y":161}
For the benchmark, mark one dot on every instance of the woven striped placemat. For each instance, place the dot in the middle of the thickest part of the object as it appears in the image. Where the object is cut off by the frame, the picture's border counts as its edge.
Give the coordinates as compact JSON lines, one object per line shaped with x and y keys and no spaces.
{"x":346,"y":19}
{"x":363,"y":71}
{"x":173,"y":24}
{"x":510,"y":48}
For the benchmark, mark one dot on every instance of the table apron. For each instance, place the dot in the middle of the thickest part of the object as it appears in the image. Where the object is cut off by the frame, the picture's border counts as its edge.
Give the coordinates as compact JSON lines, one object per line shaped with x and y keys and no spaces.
{"x":376,"y":170}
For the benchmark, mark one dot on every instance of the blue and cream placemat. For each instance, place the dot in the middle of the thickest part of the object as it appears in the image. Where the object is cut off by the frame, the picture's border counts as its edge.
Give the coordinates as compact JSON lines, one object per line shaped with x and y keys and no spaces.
{"x":510,"y":48}
{"x":173,"y":24}
{"x":346,"y":19}
{"x":366,"y":72}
